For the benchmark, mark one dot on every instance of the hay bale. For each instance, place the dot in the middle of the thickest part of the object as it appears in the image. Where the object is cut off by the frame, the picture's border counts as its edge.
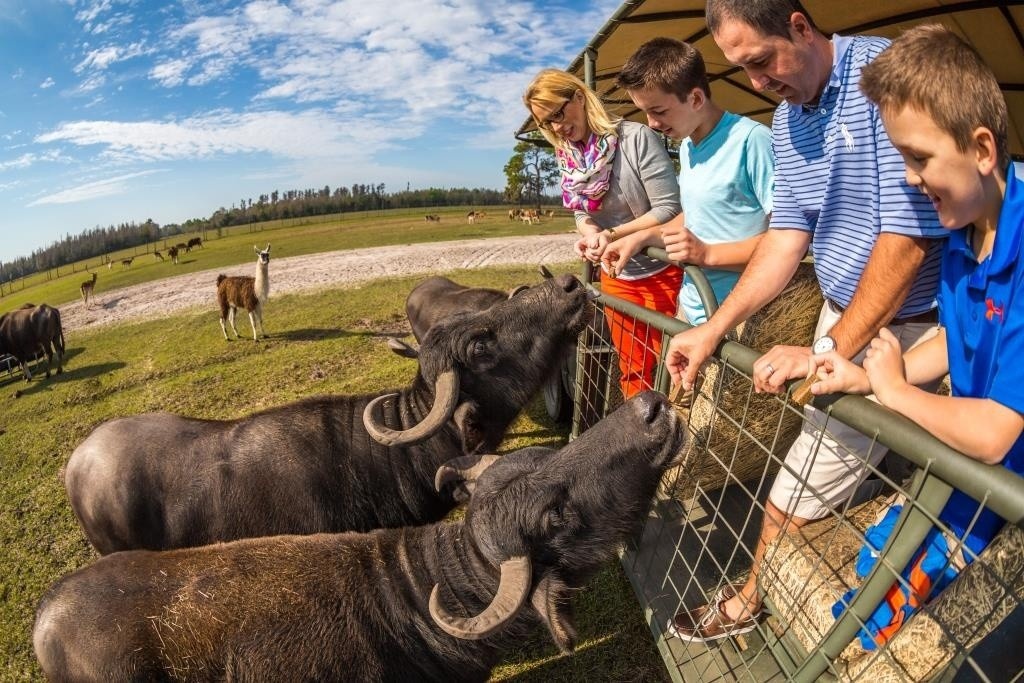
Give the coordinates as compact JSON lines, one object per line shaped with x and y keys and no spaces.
{"x":733,"y":430}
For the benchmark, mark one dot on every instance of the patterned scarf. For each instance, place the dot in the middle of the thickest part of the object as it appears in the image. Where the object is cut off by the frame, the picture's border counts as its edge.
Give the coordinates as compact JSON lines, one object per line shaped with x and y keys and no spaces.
{"x":587,"y":171}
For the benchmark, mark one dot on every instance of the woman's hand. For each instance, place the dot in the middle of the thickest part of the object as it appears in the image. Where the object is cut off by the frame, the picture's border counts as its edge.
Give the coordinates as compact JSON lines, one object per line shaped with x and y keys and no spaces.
{"x":592,"y":247}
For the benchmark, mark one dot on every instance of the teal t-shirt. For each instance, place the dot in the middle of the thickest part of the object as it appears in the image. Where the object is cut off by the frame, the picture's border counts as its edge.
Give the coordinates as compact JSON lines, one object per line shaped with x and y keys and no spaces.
{"x":725,"y":184}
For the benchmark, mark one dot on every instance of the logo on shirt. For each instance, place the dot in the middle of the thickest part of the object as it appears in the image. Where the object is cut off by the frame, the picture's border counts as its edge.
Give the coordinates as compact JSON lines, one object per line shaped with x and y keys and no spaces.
{"x":992,"y":311}
{"x":847,"y":136}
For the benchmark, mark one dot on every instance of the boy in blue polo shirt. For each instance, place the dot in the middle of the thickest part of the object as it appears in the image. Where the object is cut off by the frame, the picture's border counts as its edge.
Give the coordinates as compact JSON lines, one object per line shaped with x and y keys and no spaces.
{"x":944,"y":111}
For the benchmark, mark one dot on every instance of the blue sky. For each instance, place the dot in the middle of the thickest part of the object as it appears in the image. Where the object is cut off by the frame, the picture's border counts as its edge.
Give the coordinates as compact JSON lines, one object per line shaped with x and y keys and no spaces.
{"x":123,"y":110}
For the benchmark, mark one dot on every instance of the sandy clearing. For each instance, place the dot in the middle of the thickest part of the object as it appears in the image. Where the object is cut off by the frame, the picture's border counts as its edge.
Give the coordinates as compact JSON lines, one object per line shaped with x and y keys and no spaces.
{"x":314,"y":272}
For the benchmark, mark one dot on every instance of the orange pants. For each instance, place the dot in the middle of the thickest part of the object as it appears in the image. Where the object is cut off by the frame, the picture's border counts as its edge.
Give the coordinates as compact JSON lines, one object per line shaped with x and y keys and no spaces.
{"x":637,"y":345}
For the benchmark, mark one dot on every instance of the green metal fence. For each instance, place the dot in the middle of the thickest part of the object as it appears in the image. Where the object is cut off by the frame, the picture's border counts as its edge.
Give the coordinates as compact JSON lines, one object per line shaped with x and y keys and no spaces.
{"x":704,"y":525}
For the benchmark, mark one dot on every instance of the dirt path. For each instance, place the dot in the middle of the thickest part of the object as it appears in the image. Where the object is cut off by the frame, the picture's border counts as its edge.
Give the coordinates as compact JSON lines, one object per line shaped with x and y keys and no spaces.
{"x":316,"y":271}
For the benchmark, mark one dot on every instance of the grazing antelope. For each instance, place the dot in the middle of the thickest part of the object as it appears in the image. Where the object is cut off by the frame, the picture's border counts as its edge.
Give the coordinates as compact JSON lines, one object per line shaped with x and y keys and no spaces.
{"x":172,"y":253}
{"x":87,"y":288}
{"x":127,"y":262}
{"x":245,"y":292}
{"x":157,"y":254}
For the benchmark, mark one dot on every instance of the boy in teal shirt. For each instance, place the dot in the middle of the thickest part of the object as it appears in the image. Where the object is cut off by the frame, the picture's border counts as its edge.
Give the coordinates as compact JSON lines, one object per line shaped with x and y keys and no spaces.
{"x":725,"y":175}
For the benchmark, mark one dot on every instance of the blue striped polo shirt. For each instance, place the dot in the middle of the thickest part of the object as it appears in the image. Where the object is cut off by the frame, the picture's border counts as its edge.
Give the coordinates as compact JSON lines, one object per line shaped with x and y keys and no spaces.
{"x":838,"y":176}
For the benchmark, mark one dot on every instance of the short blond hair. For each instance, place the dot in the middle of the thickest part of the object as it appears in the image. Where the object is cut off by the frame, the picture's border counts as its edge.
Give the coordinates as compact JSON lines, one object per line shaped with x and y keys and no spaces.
{"x":551,"y":88}
{"x":933,"y":70}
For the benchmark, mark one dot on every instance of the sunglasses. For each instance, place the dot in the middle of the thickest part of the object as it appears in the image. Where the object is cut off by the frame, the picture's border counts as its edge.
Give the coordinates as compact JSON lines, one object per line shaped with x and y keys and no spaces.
{"x":556,"y":117}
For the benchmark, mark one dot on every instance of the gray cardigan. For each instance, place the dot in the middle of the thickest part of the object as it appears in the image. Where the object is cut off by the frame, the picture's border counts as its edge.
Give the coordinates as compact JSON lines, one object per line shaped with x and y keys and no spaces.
{"x":643,"y":180}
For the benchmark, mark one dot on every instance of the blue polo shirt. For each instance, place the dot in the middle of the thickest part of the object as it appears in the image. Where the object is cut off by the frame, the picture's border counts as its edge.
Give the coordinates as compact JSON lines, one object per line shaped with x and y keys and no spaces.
{"x":838,"y":176}
{"x":981,"y":305}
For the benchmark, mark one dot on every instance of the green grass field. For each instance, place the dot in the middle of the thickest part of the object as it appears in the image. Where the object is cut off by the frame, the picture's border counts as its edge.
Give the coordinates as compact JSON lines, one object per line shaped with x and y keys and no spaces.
{"x":329,"y":342}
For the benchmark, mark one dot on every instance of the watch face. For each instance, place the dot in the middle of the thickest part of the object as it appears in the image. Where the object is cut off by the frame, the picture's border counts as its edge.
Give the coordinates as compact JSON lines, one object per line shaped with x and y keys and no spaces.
{"x":824,"y":345}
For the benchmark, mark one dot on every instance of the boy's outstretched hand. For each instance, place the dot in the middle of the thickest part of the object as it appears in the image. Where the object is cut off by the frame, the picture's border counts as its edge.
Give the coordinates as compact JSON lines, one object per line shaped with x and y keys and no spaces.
{"x":836,"y":374}
{"x":884,"y":366}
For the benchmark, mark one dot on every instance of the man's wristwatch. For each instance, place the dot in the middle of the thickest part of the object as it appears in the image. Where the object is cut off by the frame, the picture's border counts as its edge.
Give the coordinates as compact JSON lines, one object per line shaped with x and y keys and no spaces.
{"x":824,"y":345}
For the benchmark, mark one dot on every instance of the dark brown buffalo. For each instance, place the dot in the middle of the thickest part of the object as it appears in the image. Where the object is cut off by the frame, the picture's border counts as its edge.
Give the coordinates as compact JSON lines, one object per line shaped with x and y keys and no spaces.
{"x":331,"y":463}
{"x":30,"y":330}
{"x":432,"y":603}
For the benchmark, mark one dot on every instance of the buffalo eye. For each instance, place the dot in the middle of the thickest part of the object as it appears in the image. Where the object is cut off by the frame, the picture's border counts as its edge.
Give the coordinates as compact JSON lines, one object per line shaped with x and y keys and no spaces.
{"x":480,"y":349}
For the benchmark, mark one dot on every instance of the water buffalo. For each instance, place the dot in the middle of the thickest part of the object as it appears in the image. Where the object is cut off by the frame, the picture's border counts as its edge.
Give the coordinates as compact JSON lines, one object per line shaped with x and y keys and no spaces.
{"x":437,"y":298}
{"x":332,"y":463}
{"x":437,"y":602}
{"x":30,"y":329}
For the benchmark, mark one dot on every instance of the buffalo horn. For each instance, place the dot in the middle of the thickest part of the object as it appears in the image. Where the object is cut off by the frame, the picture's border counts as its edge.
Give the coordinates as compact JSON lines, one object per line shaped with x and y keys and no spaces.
{"x":446,"y":398}
{"x":513,"y":589}
{"x":465,"y":468}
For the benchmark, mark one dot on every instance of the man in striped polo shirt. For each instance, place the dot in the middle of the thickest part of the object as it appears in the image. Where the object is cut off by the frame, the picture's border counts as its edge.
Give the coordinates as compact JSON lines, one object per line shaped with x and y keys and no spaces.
{"x":840,"y":189}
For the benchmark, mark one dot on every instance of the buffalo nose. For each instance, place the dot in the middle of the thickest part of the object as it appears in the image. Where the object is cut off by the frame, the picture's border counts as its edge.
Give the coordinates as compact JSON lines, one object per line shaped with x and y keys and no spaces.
{"x":651,"y":405}
{"x":568,"y":282}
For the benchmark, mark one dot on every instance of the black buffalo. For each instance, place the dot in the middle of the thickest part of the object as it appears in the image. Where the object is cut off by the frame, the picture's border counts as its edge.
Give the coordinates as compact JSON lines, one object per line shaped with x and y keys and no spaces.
{"x":437,"y":298}
{"x":29,"y":330}
{"x":333,"y":463}
{"x":438,"y":602}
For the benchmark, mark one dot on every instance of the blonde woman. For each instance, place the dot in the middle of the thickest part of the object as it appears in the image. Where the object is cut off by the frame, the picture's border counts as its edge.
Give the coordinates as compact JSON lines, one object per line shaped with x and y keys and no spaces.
{"x":618,"y":180}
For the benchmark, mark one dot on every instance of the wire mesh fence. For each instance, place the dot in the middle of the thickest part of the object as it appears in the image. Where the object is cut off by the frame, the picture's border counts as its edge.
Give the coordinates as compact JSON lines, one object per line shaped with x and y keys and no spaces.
{"x":820,"y":586}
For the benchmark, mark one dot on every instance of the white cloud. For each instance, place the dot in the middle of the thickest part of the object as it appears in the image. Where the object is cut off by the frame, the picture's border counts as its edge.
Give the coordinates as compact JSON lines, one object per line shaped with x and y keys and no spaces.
{"x":100,"y":188}
{"x":410,"y":59}
{"x":48,"y":83}
{"x":301,"y":135}
{"x":29,"y":158}
{"x":171,"y":73}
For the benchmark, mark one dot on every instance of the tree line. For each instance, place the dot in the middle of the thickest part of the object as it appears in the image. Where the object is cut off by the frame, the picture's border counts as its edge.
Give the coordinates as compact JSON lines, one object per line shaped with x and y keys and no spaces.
{"x":267,"y":207}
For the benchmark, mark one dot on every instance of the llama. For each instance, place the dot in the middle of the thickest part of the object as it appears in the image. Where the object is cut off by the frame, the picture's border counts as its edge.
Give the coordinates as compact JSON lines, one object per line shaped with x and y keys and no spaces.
{"x":87,"y":289}
{"x":246,"y":292}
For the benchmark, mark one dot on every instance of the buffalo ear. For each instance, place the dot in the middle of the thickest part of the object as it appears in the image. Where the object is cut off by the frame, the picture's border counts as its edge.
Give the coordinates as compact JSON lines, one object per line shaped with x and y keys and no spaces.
{"x":467,"y":419}
{"x":551,"y":600}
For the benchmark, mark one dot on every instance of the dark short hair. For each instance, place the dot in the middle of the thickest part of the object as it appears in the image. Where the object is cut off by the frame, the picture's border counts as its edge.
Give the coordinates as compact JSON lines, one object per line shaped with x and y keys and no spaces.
{"x":668,"y":64}
{"x":768,"y":17}
{"x":932,"y":69}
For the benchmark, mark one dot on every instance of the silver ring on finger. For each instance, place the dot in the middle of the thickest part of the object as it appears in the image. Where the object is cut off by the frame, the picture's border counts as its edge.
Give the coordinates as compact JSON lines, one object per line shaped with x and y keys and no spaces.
{"x":770,"y":369}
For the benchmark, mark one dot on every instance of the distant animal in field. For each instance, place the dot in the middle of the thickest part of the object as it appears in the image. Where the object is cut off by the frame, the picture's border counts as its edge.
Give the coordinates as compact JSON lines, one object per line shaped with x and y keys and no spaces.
{"x":87,"y":288}
{"x":472,"y":216}
{"x":158,"y":255}
{"x":432,"y":218}
{"x":242,"y":291}
{"x":430,"y":603}
{"x":127,"y":262}
{"x":329,"y":463}
{"x":172,"y":253}
{"x":194,"y":242}
{"x":27,"y":331}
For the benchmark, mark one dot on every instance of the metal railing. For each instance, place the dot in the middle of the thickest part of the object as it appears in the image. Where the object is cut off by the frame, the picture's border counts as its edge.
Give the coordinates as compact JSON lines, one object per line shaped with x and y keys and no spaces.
{"x":703,"y":527}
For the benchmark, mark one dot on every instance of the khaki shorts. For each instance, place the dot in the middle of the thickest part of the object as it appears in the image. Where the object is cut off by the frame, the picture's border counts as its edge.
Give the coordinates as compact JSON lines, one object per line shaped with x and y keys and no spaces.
{"x":827,"y":464}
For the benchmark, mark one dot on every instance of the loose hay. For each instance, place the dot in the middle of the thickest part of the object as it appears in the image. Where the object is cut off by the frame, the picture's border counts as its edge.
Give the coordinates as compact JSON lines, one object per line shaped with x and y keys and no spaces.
{"x":732,"y":429}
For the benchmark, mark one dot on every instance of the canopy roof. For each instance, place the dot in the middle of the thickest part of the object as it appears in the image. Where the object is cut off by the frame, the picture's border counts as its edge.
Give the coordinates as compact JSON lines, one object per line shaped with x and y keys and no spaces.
{"x":994,"y":28}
